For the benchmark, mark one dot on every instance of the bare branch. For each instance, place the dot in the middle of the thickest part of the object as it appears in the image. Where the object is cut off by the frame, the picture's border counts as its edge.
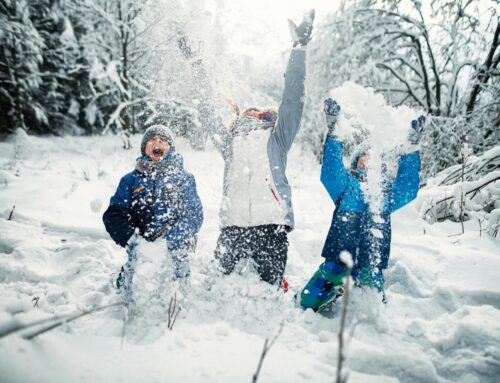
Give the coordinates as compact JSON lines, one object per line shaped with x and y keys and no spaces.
{"x":474,"y":191}
{"x":482,"y":75}
{"x":404,"y":81}
{"x":437,"y":79}
{"x":406,"y":63}
{"x":57,"y":321}
{"x":11,"y":213}
{"x":173,"y":311}
{"x":345,"y":302}
{"x":265,"y":350}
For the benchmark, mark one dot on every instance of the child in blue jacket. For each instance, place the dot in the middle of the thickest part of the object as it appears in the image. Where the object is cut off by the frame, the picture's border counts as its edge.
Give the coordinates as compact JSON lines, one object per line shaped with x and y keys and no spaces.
{"x":158,"y":201}
{"x":355,"y":228}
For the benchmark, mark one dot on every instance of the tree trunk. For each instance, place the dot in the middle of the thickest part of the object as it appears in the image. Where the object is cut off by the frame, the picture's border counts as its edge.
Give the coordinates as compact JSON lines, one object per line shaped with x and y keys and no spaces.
{"x":125,"y":96}
{"x":484,"y":72}
{"x":18,"y":103}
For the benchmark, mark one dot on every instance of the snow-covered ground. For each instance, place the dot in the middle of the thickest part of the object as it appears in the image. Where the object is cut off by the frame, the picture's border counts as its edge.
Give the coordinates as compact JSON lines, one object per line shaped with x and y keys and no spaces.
{"x":442,"y":322}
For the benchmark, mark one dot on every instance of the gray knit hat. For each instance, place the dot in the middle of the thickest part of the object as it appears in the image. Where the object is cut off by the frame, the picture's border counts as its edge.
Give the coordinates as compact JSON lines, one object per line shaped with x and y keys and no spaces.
{"x":157,"y":130}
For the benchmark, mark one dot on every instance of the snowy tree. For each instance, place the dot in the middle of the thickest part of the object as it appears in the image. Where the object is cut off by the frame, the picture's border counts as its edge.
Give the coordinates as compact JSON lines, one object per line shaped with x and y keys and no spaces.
{"x":445,"y":65}
{"x":134,"y":75}
{"x":44,"y":72}
{"x":20,"y":60}
{"x":172,"y":95}
{"x":108,"y":45}
{"x":62,"y":66}
{"x":92,"y":66}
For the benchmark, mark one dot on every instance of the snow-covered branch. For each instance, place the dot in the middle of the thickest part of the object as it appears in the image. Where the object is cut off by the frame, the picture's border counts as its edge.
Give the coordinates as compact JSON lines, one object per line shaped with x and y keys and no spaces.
{"x":482,"y":75}
{"x":411,"y":91}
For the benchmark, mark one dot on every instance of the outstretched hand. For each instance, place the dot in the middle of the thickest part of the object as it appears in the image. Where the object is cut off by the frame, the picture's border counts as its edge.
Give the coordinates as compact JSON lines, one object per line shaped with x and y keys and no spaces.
{"x":332,"y":110}
{"x":302,"y":34}
{"x":416,"y":130}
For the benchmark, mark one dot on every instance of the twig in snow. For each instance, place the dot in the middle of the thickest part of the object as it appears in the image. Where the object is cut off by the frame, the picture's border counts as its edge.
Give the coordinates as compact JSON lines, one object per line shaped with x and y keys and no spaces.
{"x":16,"y":325}
{"x":86,"y":173}
{"x":265,"y":350}
{"x":11,"y":213}
{"x":68,"y":320}
{"x":173,"y":311}
{"x":462,"y":196}
{"x":125,"y":320}
{"x":100,"y":170}
{"x":345,"y":301}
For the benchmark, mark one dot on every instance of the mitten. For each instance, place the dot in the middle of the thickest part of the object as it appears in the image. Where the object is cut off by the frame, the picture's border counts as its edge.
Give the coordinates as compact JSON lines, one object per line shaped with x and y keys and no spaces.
{"x":416,"y":130}
{"x":332,"y":110}
{"x":186,"y":49}
{"x":302,"y":34}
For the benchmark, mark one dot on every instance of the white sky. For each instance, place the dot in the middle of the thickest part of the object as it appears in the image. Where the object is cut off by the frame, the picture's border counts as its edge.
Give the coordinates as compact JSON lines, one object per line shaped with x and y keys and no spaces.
{"x":259,"y":26}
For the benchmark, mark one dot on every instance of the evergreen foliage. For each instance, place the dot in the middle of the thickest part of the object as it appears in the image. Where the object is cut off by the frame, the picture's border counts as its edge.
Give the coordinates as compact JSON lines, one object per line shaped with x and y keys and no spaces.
{"x":94,"y":66}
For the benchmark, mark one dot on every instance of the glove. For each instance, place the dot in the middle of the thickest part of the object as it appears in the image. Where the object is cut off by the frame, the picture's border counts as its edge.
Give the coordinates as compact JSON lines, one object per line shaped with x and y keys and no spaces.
{"x":186,"y":49}
{"x":416,"y":130}
{"x":302,"y":34}
{"x":332,"y":110}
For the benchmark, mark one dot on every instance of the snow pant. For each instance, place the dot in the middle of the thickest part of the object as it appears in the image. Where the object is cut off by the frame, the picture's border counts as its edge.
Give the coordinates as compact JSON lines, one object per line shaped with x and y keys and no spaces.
{"x":266,"y":245}
{"x":366,"y":239}
{"x":180,"y":259}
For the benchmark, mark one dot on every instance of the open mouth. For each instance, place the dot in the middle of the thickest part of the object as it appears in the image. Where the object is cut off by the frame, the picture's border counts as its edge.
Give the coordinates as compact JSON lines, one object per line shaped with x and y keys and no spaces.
{"x":157,"y":152}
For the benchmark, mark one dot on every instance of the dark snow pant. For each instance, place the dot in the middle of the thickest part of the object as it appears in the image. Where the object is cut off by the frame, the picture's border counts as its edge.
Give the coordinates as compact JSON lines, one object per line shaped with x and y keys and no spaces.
{"x":266,"y":245}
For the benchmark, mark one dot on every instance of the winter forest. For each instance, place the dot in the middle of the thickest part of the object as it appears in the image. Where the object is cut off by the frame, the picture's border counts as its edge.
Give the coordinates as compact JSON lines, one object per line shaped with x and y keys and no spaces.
{"x":250,"y":191}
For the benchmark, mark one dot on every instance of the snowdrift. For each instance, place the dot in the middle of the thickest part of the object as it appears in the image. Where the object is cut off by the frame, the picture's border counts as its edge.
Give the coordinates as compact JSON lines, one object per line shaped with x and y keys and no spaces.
{"x":442,"y":322}
{"x":467,"y":192}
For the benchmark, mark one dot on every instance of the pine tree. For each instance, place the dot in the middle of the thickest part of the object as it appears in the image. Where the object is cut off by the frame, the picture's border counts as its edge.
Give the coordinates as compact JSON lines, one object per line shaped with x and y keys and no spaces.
{"x":20,"y":59}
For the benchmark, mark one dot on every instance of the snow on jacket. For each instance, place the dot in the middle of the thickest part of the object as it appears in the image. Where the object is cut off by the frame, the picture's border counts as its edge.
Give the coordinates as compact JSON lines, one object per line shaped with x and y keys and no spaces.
{"x":160,"y":199}
{"x":354,"y":228}
{"x":256,"y":190}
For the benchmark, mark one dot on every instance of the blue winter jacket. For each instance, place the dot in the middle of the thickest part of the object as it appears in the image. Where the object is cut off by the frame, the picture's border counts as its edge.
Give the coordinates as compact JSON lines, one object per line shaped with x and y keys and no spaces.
{"x":354,"y":228}
{"x":160,"y":199}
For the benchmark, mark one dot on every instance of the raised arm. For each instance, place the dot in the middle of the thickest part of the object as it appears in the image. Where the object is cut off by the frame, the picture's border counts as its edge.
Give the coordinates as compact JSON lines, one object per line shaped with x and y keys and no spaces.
{"x":405,"y":186}
{"x":292,"y":103}
{"x":209,"y":118}
{"x":333,"y":174}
